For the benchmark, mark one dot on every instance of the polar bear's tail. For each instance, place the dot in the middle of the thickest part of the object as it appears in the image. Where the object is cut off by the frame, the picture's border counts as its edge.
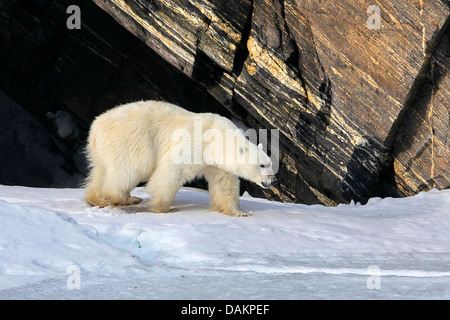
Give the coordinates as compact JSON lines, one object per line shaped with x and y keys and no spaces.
{"x":94,"y":181}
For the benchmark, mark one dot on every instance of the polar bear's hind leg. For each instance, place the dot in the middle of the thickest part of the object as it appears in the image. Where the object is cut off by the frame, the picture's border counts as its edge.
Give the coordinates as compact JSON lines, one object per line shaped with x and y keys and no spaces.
{"x":94,"y":187}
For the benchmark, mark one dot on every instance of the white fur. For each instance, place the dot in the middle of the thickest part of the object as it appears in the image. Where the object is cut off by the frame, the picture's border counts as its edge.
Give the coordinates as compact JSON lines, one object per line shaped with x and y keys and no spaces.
{"x":134,"y":143}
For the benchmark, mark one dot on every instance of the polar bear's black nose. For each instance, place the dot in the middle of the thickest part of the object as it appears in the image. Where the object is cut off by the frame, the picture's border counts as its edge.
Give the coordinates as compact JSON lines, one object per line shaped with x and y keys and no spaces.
{"x":267,"y":184}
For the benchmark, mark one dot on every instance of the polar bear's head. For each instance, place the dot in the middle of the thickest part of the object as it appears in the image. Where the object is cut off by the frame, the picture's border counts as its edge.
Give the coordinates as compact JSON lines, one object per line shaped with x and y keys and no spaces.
{"x":246,"y":160}
{"x":259,"y":171}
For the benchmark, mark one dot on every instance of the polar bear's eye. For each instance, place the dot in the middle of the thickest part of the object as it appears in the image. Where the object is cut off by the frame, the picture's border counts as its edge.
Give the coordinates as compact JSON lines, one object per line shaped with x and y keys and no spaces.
{"x":262,"y":166}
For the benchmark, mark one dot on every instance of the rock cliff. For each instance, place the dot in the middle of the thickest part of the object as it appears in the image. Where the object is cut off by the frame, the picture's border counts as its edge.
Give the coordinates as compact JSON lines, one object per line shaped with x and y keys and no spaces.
{"x":359,"y":90}
{"x":355,"y":99}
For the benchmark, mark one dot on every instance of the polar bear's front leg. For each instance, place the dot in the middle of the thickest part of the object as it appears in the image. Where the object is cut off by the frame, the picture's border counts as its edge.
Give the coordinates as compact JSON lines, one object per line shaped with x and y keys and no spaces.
{"x":223,"y":192}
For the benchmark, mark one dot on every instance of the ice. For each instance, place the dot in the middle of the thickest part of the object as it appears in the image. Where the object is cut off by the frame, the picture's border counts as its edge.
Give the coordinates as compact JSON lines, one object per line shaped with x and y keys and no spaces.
{"x":65,"y":123}
{"x":281,"y":251}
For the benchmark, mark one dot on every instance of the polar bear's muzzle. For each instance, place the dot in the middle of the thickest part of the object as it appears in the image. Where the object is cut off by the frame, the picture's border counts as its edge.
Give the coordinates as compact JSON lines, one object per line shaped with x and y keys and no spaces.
{"x":270,"y":182}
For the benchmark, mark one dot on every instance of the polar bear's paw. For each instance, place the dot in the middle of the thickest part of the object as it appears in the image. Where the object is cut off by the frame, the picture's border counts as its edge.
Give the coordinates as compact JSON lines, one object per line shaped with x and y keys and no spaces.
{"x":160,"y":210}
{"x":133,"y":200}
{"x":236,"y":213}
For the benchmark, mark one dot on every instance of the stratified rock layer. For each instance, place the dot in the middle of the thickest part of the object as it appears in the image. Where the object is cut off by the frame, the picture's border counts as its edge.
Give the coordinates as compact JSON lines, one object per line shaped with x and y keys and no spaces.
{"x":336,"y":87}
{"x":422,"y":146}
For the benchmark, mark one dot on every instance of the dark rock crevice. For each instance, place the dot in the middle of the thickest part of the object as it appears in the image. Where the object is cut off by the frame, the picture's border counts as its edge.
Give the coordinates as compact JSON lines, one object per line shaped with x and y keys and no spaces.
{"x":242,"y":52}
{"x":46,"y":68}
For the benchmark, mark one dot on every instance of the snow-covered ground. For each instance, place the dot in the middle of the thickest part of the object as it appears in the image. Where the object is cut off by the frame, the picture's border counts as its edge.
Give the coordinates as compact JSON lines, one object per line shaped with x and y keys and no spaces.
{"x":52,"y":245}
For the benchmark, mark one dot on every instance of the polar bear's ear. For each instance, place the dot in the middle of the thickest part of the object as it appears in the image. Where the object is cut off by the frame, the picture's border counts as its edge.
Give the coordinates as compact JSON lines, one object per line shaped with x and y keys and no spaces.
{"x":260,"y":146}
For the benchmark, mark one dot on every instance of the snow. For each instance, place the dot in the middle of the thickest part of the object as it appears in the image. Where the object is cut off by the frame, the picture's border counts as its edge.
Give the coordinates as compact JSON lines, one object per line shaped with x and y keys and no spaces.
{"x":65,"y":123}
{"x":386,"y":249}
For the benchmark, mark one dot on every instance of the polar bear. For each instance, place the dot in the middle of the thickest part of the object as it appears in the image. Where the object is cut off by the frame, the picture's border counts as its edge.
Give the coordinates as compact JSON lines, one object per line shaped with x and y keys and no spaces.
{"x":166,"y":146}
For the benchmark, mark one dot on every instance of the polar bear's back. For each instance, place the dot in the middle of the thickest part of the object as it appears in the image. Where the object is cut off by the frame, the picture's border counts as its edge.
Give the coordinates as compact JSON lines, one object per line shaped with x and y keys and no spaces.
{"x":140,"y":120}
{"x":144,"y":111}
{"x":134,"y":133}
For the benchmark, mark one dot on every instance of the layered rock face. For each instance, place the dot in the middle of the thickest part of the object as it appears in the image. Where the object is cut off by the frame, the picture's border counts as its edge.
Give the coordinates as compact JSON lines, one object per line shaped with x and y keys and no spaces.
{"x":359,"y":90}
{"x":422,"y":145}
